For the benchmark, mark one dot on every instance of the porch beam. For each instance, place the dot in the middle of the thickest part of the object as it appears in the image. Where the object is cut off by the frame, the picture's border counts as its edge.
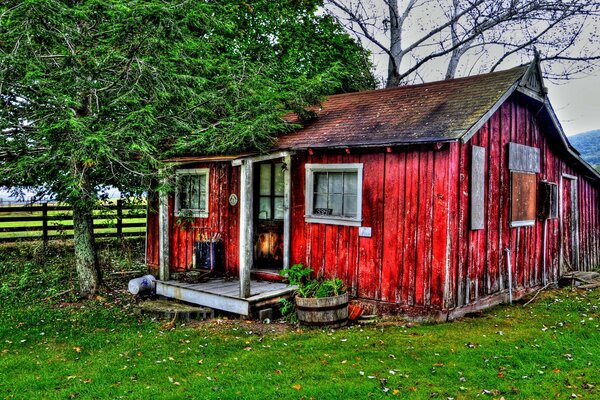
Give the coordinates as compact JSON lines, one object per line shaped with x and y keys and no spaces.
{"x":246,"y":226}
{"x":261,"y":158}
{"x":287,"y":209}
{"x":163,"y":236}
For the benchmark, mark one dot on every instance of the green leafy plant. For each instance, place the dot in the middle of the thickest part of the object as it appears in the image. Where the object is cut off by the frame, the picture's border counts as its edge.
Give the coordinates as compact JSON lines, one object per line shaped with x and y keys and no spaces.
{"x":287,"y":309}
{"x":318,"y":287}
{"x":185,"y":220}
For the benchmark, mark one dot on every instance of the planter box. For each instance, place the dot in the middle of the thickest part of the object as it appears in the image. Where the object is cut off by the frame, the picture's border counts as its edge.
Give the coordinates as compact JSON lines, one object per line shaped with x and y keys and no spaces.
{"x":331,"y":312}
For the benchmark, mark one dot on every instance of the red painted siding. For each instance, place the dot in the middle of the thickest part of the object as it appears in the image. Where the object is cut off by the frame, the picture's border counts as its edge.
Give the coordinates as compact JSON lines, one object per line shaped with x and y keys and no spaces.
{"x":422,"y":254}
{"x":222,"y":218}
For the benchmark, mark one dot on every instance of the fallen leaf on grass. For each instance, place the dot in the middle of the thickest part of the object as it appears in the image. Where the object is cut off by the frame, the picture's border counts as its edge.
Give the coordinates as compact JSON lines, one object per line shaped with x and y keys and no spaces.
{"x":77,"y":349}
{"x":297,"y":387}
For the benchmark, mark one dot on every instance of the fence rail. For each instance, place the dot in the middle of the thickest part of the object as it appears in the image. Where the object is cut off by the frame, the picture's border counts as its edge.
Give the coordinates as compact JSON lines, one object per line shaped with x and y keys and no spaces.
{"x":51,"y":221}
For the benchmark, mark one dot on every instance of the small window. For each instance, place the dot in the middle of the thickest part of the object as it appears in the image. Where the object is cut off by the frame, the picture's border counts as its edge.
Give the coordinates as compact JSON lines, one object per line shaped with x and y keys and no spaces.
{"x":334,"y":193}
{"x":523,"y":199}
{"x":548,"y":200}
{"x":191,"y":196}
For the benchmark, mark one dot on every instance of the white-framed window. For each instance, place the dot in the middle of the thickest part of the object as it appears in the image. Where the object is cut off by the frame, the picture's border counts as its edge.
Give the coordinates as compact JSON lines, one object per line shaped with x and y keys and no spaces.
{"x":334,"y":194}
{"x":191,"y":194}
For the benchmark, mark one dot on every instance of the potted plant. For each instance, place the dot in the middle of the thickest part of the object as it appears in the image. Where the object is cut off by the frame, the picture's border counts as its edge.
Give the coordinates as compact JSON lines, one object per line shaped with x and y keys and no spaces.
{"x":319,"y":301}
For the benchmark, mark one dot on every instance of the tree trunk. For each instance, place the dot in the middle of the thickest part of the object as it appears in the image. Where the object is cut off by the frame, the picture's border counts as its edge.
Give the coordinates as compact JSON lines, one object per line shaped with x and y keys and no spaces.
{"x":393,"y":78}
{"x":86,"y":259}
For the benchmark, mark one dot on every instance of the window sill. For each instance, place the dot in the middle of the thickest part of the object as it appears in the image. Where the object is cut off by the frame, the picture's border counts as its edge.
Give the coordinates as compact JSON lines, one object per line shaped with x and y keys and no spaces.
{"x":332,"y":221}
{"x":519,"y":224}
{"x":194,"y":214}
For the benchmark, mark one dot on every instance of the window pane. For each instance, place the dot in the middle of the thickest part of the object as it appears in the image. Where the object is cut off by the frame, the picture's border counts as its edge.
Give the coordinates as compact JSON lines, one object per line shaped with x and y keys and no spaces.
{"x":278,"y":179}
{"x":278,"y":208}
{"x":320,"y":182}
{"x":195,"y":193}
{"x":336,"y":182}
{"x":320,"y":205}
{"x":335,"y":204}
{"x":265,"y":179}
{"x":182,"y":187}
{"x":203,"y":193}
{"x":350,"y":181}
{"x":264,"y":208}
{"x":349,"y":206}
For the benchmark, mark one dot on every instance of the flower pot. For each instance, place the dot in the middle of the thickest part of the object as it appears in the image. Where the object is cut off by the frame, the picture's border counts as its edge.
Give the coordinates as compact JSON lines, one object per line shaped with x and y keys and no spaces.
{"x":331,"y":312}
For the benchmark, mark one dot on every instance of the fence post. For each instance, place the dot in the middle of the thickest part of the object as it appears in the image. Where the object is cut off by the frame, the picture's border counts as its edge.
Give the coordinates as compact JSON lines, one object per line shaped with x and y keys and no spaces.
{"x":45,"y":223}
{"x":120,"y":218}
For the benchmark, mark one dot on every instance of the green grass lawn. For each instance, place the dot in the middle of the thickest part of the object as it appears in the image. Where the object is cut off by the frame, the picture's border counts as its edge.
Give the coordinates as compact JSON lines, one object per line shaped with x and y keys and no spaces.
{"x":60,"y":347}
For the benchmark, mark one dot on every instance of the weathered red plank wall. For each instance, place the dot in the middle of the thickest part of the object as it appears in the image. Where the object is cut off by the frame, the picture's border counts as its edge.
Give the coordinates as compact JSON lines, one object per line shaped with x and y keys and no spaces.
{"x":222,"y":218}
{"x":422,"y":253}
{"x":404,"y":260}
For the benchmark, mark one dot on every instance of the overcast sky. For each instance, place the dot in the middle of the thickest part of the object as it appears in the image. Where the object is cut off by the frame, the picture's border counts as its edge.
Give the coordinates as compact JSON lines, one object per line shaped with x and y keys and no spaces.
{"x":577,"y":103}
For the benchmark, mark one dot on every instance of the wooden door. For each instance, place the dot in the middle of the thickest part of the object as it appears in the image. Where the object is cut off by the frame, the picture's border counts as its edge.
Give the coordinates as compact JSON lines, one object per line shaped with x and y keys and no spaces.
{"x":569,"y":225}
{"x":269,"y":189}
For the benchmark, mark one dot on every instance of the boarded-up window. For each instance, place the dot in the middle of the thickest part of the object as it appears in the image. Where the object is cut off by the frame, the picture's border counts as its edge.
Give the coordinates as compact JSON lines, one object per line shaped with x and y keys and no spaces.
{"x":477,"y":187}
{"x":523,"y":198}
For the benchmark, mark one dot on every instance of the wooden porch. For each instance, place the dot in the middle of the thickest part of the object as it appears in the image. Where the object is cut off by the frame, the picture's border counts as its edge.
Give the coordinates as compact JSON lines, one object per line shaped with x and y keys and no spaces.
{"x":224,"y":295}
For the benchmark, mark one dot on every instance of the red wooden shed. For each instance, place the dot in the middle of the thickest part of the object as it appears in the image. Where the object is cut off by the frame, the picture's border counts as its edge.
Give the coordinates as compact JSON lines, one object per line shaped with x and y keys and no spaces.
{"x":432,"y":200}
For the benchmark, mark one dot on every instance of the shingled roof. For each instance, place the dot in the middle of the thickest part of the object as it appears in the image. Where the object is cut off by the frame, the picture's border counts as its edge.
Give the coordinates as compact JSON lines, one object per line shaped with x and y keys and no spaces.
{"x":431,"y":112}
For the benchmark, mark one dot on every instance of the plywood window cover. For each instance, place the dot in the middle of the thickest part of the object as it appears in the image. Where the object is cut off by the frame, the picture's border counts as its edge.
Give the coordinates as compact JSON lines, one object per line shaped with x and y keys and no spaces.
{"x":477,"y":188}
{"x":196,"y":213}
{"x":309,"y":198}
{"x":523,"y":194}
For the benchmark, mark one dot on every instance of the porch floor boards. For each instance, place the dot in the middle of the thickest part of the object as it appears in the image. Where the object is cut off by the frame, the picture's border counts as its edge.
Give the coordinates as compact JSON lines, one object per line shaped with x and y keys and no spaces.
{"x":223,"y":294}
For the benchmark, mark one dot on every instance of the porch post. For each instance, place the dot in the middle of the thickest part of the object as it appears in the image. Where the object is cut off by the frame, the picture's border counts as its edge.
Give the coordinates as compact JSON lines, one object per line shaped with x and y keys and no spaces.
{"x":287,"y":210}
{"x":163,"y":236}
{"x":246,"y":226}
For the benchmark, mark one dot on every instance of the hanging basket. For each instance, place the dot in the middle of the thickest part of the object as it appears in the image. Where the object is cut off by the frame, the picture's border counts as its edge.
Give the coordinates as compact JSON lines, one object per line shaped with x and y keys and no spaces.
{"x":331,"y":312}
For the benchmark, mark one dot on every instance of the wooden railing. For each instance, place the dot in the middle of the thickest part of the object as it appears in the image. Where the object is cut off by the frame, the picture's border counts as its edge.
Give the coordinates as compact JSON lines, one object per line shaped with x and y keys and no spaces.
{"x":48,"y":221}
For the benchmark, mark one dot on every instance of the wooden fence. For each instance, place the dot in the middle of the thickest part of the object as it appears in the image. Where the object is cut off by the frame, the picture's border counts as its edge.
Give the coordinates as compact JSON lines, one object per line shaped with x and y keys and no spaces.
{"x":48,"y":221}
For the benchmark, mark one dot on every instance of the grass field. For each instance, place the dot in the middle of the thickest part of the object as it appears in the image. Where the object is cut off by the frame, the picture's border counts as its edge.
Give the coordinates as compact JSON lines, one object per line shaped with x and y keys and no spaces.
{"x":59,"y":347}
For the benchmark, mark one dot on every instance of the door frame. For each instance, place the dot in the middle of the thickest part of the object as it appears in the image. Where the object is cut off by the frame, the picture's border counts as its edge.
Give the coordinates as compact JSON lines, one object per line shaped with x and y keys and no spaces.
{"x":257,"y":221}
{"x":574,"y":223}
{"x":246,"y":205}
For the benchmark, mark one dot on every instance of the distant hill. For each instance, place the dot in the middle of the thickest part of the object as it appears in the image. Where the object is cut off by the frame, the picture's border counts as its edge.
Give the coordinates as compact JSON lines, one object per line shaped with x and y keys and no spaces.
{"x":588,"y":144}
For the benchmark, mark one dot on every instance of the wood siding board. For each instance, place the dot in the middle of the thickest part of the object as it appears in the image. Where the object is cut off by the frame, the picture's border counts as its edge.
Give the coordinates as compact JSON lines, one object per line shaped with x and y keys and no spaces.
{"x":409,"y":256}
{"x":440,"y":228}
{"x":493,"y":214}
{"x":298,"y":240}
{"x":463,"y":234}
{"x":391,"y":228}
{"x":424,"y":229}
